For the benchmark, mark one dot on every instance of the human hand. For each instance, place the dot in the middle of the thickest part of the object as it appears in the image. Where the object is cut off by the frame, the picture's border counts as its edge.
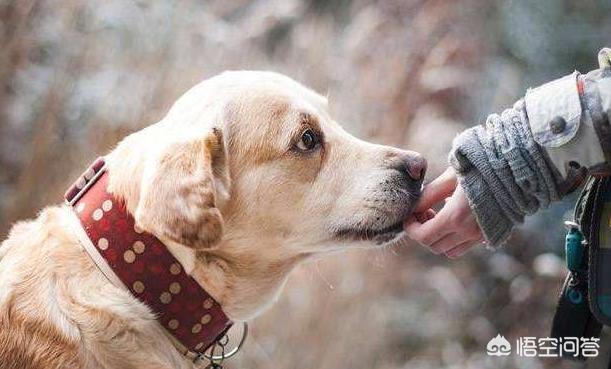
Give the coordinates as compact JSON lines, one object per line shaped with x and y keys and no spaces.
{"x":452,"y":231}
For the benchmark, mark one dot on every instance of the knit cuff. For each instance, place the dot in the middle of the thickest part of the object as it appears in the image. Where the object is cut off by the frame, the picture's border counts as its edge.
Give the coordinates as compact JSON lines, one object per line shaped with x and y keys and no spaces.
{"x":504,"y":173}
{"x":494,"y":224}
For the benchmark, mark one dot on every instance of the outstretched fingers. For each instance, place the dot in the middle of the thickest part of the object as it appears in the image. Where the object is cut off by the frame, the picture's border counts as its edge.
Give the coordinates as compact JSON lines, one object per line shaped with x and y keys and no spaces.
{"x":436,"y":191}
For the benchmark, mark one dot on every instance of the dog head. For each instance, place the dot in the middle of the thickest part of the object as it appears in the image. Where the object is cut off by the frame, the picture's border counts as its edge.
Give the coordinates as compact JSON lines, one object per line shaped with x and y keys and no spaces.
{"x":252,"y":163}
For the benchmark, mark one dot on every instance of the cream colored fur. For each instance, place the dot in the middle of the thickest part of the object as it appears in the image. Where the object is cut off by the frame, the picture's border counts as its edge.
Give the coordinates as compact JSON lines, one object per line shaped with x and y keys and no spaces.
{"x":222,"y":182}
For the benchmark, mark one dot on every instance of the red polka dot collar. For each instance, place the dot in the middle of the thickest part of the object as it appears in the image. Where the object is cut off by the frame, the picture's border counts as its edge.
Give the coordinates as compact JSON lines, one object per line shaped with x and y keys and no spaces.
{"x":141,"y":263}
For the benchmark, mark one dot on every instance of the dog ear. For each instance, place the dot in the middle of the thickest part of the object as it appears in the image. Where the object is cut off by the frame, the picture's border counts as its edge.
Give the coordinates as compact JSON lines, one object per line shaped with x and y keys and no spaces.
{"x":180,"y":190}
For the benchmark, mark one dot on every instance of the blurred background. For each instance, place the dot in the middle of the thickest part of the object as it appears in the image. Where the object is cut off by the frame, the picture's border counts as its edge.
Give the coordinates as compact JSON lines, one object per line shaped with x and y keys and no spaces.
{"x":77,"y":76}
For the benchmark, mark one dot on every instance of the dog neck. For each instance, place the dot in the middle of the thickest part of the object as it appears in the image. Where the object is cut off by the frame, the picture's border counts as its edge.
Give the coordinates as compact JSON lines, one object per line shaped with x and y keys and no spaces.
{"x":244,"y":281}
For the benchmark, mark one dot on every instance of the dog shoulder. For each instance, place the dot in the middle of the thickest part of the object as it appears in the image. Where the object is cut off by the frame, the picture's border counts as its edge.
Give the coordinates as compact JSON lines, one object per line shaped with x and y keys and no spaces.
{"x":27,"y":343}
{"x":57,"y":310}
{"x":28,"y":336}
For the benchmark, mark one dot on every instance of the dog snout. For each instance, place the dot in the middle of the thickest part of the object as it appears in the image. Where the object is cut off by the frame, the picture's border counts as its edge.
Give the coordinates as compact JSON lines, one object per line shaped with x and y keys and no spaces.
{"x":416,"y":167}
{"x":410,"y":163}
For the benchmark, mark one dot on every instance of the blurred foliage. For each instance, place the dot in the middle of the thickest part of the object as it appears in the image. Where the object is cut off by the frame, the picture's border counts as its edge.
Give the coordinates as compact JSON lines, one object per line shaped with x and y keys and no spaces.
{"x":77,"y":76}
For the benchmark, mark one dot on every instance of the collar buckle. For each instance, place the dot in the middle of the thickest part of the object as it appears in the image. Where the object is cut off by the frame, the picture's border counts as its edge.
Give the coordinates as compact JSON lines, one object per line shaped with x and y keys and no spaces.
{"x":215,"y":359}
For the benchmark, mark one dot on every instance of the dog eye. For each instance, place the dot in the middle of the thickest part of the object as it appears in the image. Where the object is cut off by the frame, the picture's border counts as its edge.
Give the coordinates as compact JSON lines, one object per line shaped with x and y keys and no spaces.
{"x":308,"y":142}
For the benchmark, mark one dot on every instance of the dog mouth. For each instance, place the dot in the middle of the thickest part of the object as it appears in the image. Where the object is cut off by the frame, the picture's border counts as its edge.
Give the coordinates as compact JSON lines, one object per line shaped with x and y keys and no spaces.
{"x":377,"y":235}
{"x":383,"y":233}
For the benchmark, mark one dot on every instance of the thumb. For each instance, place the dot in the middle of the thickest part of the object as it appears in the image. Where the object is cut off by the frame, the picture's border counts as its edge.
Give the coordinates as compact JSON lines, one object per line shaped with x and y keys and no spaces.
{"x":440,"y":188}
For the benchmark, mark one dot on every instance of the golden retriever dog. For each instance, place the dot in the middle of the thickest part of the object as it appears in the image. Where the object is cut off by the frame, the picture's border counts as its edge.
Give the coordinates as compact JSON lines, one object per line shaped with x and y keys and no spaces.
{"x":246,"y":176}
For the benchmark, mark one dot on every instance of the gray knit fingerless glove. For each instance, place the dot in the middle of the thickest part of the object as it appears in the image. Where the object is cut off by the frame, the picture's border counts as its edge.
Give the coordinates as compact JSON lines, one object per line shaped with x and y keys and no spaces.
{"x":504,"y":173}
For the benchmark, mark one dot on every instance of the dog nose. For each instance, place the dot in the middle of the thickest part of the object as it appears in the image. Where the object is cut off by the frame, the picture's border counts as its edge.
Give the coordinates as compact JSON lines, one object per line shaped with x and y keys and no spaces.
{"x":410,"y":163}
{"x":416,"y":167}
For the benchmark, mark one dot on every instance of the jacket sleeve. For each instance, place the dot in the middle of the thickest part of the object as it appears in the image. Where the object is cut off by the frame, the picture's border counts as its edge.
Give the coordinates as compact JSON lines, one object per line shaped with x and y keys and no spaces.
{"x":569,"y":119}
{"x":532,"y":154}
